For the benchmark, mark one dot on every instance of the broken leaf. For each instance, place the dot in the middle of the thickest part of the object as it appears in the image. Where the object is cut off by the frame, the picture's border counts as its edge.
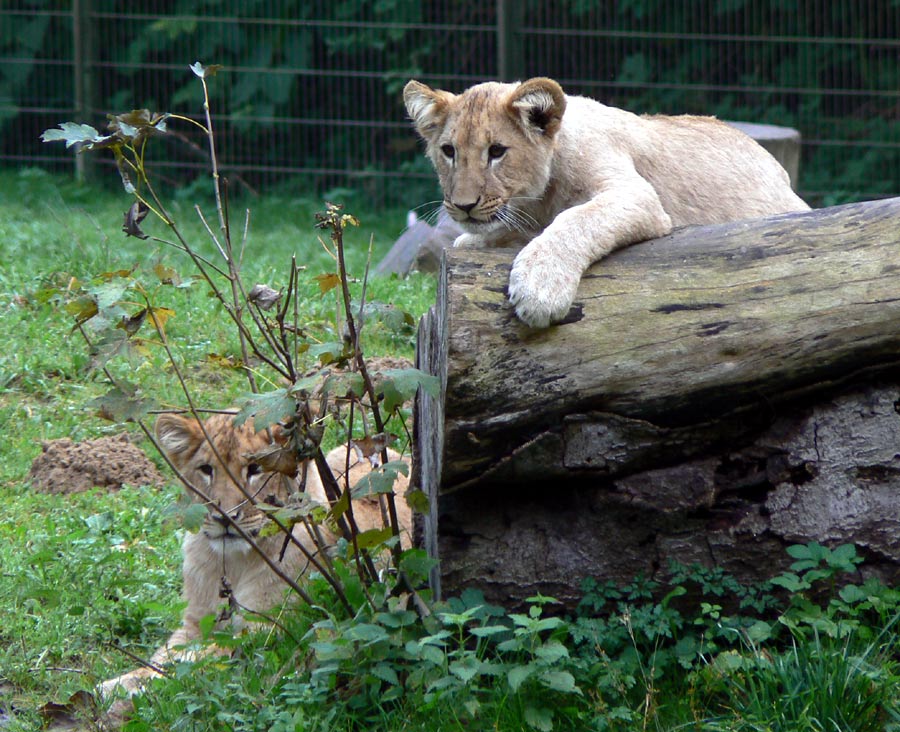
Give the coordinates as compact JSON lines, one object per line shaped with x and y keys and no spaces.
{"x":264,"y":296}
{"x":133,"y":217}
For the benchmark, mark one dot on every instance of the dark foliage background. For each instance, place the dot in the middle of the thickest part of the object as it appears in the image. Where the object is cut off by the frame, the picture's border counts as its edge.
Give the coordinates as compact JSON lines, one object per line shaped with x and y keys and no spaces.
{"x":310,"y":90}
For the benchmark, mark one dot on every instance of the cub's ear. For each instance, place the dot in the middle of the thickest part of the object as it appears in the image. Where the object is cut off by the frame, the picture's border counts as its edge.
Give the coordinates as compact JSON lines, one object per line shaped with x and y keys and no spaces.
{"x":426,"y":107}
{"x":177,"y":433}
{"x":538,"y":105}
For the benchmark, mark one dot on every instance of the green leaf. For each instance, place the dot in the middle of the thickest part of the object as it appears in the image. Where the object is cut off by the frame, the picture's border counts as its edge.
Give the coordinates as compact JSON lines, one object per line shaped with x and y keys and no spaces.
{"x":366,"y":633}
{"x":852,"y":594}
{"x":205,"y":72}
{"x":844,"y":557}
{"x":417,"y":565}
{"x":267,"y":409}
{"x":759,"y":632}
{"x":386,"y":673}
{"x":465,"y":669}
{"x":396,"y":386}
{"x":393,"y":318}
{"x":417,"y":500}
{"x":380,"y":480}
{"x":193,"y":516}
{"x":539,"y":718}
{"x":109,"y":293}
{"x":799,"y":551}
{"x":330,"y":352}
{"x":121,"y":405}
{"x":559,"y":681}
{"x":551,"y":652}
{"x":344,"y":384}
{"x":518,"y":675}
{"x":207,"y":625}
{"x":373,"y":538}
{"x":488,"y":630}
{"x":791,"y":582}
{"x":73,"y":133}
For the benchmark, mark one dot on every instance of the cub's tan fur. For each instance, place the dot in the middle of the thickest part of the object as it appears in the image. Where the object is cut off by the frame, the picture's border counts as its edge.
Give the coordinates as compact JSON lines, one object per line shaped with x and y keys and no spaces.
{"x":573,"y":179}
{"x":217,"y":550}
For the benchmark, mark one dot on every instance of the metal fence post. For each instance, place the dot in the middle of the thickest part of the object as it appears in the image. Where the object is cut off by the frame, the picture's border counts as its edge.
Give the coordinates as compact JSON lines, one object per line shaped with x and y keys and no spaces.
{"x":83,"y":81}
{"x":510,"y":59}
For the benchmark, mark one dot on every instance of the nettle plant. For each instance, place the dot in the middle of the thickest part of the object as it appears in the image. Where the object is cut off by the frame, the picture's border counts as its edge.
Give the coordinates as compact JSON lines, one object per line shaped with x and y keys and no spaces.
{"x":119,"y":315}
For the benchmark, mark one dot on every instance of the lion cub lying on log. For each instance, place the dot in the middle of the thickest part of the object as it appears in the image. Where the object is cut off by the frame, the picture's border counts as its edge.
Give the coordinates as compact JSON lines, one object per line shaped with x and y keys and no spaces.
{"x":217,"y":550}
{"x":573,"y":179}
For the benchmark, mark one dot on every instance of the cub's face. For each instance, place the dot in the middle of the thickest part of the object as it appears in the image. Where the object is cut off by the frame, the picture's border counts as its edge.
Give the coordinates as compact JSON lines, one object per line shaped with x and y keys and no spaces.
{"x":492,"y":147}
{"x":225,"y":471}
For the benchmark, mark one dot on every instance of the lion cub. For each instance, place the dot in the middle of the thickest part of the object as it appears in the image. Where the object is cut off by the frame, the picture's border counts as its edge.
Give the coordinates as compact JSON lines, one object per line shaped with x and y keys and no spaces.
{"x":218,"y":551}
{"x":573,"y":179}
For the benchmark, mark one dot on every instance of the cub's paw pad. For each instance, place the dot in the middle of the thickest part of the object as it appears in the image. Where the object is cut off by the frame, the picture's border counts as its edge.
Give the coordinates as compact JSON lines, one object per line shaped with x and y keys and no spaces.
{"x":541,"y":295}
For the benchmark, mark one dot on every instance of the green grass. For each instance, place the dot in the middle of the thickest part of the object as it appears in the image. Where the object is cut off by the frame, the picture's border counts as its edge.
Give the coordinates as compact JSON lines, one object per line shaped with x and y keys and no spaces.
{"x":85,"y":577}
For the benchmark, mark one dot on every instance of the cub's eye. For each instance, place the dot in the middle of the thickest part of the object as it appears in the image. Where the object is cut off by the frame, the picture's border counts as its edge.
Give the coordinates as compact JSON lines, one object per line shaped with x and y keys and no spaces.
{"x":273,"y":500}
{"x":448,"y":151}
{"x":253,"y":469}
{"x":206,"y":469}
{"x":495,"y":151}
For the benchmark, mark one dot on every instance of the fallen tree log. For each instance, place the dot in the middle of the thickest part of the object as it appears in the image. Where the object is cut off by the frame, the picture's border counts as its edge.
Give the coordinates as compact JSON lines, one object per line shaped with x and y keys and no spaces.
{"x":656,"y":400}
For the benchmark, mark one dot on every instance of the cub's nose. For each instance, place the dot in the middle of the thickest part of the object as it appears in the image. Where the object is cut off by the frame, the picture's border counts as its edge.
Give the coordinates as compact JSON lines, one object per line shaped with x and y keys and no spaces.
{"x":466,"y":207}
{"x":219,"y":518}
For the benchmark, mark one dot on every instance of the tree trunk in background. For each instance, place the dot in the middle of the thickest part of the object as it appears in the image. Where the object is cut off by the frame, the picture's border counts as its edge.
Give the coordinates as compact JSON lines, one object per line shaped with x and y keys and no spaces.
{"x":712,"y":396}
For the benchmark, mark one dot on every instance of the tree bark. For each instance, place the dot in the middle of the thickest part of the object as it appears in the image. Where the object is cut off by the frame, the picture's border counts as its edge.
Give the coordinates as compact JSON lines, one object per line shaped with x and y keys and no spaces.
{"x":678,"y":359}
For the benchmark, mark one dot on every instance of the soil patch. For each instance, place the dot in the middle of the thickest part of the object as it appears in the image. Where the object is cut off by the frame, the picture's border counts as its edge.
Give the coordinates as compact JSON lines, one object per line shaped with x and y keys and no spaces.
{"x":108,"y":462}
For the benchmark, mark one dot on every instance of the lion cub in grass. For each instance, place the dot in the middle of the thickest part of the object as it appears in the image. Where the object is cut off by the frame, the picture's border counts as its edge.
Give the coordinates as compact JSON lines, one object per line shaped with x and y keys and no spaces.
{"x":217,"y":551}
{"x":573,"y":179}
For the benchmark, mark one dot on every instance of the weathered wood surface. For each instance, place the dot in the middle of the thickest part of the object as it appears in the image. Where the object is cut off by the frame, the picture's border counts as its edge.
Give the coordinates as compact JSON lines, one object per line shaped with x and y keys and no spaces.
{"x":558,"y":453}
{"x":669,"y":336}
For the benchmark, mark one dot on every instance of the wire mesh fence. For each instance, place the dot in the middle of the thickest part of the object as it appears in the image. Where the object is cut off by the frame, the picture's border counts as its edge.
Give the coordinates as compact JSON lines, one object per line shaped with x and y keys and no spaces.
{"x":311,"y":88}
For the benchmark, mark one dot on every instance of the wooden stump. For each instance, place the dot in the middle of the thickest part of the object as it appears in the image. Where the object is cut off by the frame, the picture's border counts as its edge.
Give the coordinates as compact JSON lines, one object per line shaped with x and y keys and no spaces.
{"x":694,"y":406}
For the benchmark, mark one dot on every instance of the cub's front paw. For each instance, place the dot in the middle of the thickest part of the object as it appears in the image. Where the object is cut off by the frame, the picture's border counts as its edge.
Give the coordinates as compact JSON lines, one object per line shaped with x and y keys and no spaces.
{"x":541,"y":288}
{"x":468,"y":241}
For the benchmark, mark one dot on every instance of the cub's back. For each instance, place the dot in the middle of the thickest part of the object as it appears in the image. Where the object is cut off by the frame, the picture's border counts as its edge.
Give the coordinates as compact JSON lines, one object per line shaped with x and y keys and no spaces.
{"x":703,"y":170}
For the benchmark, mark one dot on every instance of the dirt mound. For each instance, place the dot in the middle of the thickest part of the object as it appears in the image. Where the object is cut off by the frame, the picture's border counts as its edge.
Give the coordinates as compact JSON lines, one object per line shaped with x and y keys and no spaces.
{"x":108,"y":462}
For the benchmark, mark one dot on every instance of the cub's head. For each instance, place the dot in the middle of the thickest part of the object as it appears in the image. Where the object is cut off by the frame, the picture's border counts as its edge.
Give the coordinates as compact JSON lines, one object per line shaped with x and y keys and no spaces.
{"x":226,"y":469}
{"x":492,"y":147}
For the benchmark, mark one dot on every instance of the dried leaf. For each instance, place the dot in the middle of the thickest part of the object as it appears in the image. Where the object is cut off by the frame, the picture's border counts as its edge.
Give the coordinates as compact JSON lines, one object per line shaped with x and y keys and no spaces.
{"x":132,"y":325}
{"x":370,"y":447}
{"x":160,"y":317}
{"x":327,"y":281}
{"x":225,"y":362}
{"x":167,"y":275}
{"x":264,"y":296}
{"x":83,"y":308}
{"x":67,"y":715}
{"x":133,"y":217}
{"x":277,"y":459}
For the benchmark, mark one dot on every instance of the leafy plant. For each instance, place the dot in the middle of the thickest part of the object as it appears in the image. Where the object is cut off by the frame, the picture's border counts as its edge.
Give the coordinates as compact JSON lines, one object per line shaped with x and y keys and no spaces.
{"x":119,"y":316}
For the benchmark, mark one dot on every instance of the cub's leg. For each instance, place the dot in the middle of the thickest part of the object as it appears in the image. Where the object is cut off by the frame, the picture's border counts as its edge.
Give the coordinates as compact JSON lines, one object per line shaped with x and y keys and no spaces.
{"x":132,"y":681}
{"x":546,"y":273}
